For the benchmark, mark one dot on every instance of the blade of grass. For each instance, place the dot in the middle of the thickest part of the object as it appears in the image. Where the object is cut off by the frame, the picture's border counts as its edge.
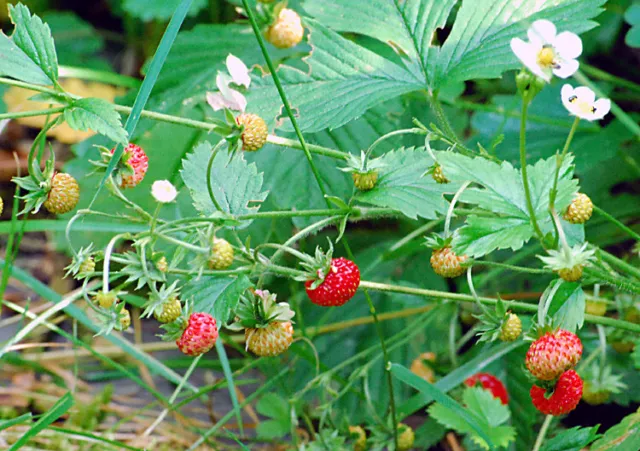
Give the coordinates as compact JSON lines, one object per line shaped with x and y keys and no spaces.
{"x":457,"y":376}
{"x":147,"y":85}
{"x":59,"y":408}
{"x":93,"y":437}
{"x":17,"y":420}
{"x":59,"y":225}
{"x":228,"y":374}
{"x":44,"y":291}
{"x":430,"y":390}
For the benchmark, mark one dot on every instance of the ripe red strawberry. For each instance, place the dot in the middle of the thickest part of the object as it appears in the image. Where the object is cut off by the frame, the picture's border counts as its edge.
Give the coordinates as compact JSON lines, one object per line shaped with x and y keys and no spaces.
{"x":287,"y":30}
{"x":63,"y":195}
{"x":580,"y":210}
{"x":566,"y":395}
{"x":338,"y":285}
{"x":271,"y":340}
{"x":255,"y":132}
{"x":446,"y":263}
{"x":553,"y":354}
{"x":491,"y":383}
{"x":199,"y":336}
{"x":136,"y":163}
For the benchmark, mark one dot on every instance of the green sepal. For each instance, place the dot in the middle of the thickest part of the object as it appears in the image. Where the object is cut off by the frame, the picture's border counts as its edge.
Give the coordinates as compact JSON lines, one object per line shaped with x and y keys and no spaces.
{"x":159,"y":298}
{"x":361,"y":164}
{"x":320,"y":267}
{"x":174,"y":329}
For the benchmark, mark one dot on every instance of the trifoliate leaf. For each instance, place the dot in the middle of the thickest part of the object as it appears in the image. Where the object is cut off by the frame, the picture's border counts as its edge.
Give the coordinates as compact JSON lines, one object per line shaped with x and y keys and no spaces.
{"x":217,"y":296}
{"x":235,"y":183}
{"x":402,"y":186}
{"x":277,"y":409}
{"x":624,"y":436}
{"x":97,"y":115}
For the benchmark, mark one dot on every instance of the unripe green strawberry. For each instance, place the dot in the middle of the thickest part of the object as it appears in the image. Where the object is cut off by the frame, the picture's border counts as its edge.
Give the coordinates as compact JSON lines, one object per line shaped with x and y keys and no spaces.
{"x":623,"y":347}
{"x":87,"y":266}
{"x":271,"y":340}
{"x":446,"y":263}
{"x":287,"y":30}
{"x":365,"y":181}
{"x":580,"y":210}
{"x":221,"y":254}
{"x":512,"y":328}
{"x":359,"y":438}
{"x":591,"y":395}
{"x":571,"y":274}
{"x":553,"y":354}
{"x":105,"y":300}
{"x":255,"y":131}
{"x":406,"y":437}
{"x":63,"y":195}
{"x":566,"y":395}
{"x":438,"y":175}
{"x":597,"y":308}
{"x":171,"y":310}
{"x":162,"y":264}
{"x":125,"y":319}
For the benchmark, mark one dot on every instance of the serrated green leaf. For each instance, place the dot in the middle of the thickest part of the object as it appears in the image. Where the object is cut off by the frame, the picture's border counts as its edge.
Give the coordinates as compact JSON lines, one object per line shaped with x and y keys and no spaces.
{"x":236,"y":184}
{"x":217,"y":296}
{"x":343,"y":82}
{"x":34,"y":38}
{"x":502,"y":192}
{"x":277,"y":410}
{"x":486,"y":406}
{"x":573,"y":439}
{"x":148,"y":10}
{"x":402,"y":186}
{"x":97,"y":115}
{"x":16,"y":64}
{"x":567,"y":306}
{"x":624,"y":436}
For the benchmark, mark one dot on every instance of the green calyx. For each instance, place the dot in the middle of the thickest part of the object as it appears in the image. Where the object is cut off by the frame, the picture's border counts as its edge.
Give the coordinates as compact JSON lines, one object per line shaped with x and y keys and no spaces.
{"x":318,"y":267}
{"x":361,"y":164}
{"x":81,"y":261}
{"x":159,"y":298}
{"x":36,"y":186}
{"x":602,"y":380}
{"x":258,"y":309}
{"x":492,"y":322}
{"x":528,"y":84}
{"x":567,"y":258}
{"x":438,"y":241}
{"x":174,"y":329}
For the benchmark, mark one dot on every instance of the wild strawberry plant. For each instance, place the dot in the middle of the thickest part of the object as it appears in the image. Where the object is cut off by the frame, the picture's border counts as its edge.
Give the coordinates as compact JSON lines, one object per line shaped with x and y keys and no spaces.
{"x":333,"y":216}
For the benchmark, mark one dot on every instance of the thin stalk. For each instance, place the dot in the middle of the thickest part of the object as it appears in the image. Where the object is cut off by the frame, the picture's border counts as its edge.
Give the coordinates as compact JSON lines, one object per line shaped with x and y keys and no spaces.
{"x":444,"y":124}
{"x":620,"y":264}
{"x":209,"y":167}
{"x":283,"y":96}
{"x":523,"y":163}
{"x":617,"y":223}
{"x":447,"y":222}
{"x":512,"y":267}
{"x":606,"y":76}
{"x":387,"y":366}
{"x":559,"y":160}
{"x":32,"y":113}
{"x":543,"y":432}
{"x":313,"y":148}
{"x":377,"y":142}
{"x":175,"y":394}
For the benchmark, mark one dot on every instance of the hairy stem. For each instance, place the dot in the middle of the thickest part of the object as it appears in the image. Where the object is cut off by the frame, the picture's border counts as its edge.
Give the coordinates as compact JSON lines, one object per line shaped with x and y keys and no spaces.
{"x":523,"y":164}
{"x":543,"y":432}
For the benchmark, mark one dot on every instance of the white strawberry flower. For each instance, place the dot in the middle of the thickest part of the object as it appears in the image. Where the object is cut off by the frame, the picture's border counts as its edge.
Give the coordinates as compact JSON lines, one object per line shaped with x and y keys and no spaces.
{"x":582,"y":102}
{"x":227,"y":97}
{"x":548,"y":53}
{"x":163,"y":191}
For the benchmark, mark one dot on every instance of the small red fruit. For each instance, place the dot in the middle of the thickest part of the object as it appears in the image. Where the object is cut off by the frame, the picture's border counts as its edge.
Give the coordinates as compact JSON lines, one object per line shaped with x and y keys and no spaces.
{"x":566,"y":395}
{"x":491,"y":383}
{"x":137,"y":161}
{"x":553,"y":354}
{"x":199,"y":336}
{"x":339,"y":285}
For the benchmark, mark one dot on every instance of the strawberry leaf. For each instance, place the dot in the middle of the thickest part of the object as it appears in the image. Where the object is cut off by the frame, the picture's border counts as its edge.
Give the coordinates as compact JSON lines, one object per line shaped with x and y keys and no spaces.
{"x":97,"y":115}
{"x":277,"y":409}
{"x":403,"y":186}
{"x":217,"y":296}
{"x":567,"y":306}
{"x":236,"y":184}
{"x":624,"y":436}
{"x":573,"y":439}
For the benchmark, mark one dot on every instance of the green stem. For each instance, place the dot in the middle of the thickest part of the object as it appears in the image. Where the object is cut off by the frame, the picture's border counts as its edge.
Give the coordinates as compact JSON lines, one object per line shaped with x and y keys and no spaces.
{"x":512,"y":267}
{"x":620,"y":264}
{"x":387,"y":366}
{"x":313,"y":148}
{"x":209,"y":167}
{"x":543,"y":432}
{"x":417,"y":131}
{"x":617,"y":223}
{"x":32,"y":113}
{"x":620,"y":283}
{"x":285,"y":102}
{"x":444,"y":124}
{"x":559,"y":160}
{"x":447,"y":222}
{"x":606,"y":76}
{"x":523,"y":163}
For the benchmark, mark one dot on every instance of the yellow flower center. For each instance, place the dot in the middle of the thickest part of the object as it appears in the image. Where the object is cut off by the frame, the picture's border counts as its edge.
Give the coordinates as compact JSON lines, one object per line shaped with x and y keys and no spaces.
{"x":583,"y":107}
{"x":546,"y":57}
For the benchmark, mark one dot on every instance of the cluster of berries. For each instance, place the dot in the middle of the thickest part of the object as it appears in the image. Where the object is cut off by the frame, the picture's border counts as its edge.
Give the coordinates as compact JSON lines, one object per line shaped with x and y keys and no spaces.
{"x":551,"y":359}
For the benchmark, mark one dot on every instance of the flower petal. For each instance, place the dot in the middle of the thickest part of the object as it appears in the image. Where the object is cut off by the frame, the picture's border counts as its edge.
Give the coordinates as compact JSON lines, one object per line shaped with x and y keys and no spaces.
{"x":527,"y":53}
{"x":238,"y":71}
{"x":566,"y":68}
{"x":568,"y":45}
{"x":542,"y":30}
{"x":566,"y":93}
{"x":585,"y":94}
{"x":215,"y":101}
{"x":602,"y":106}
{"x":163,"y":191}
